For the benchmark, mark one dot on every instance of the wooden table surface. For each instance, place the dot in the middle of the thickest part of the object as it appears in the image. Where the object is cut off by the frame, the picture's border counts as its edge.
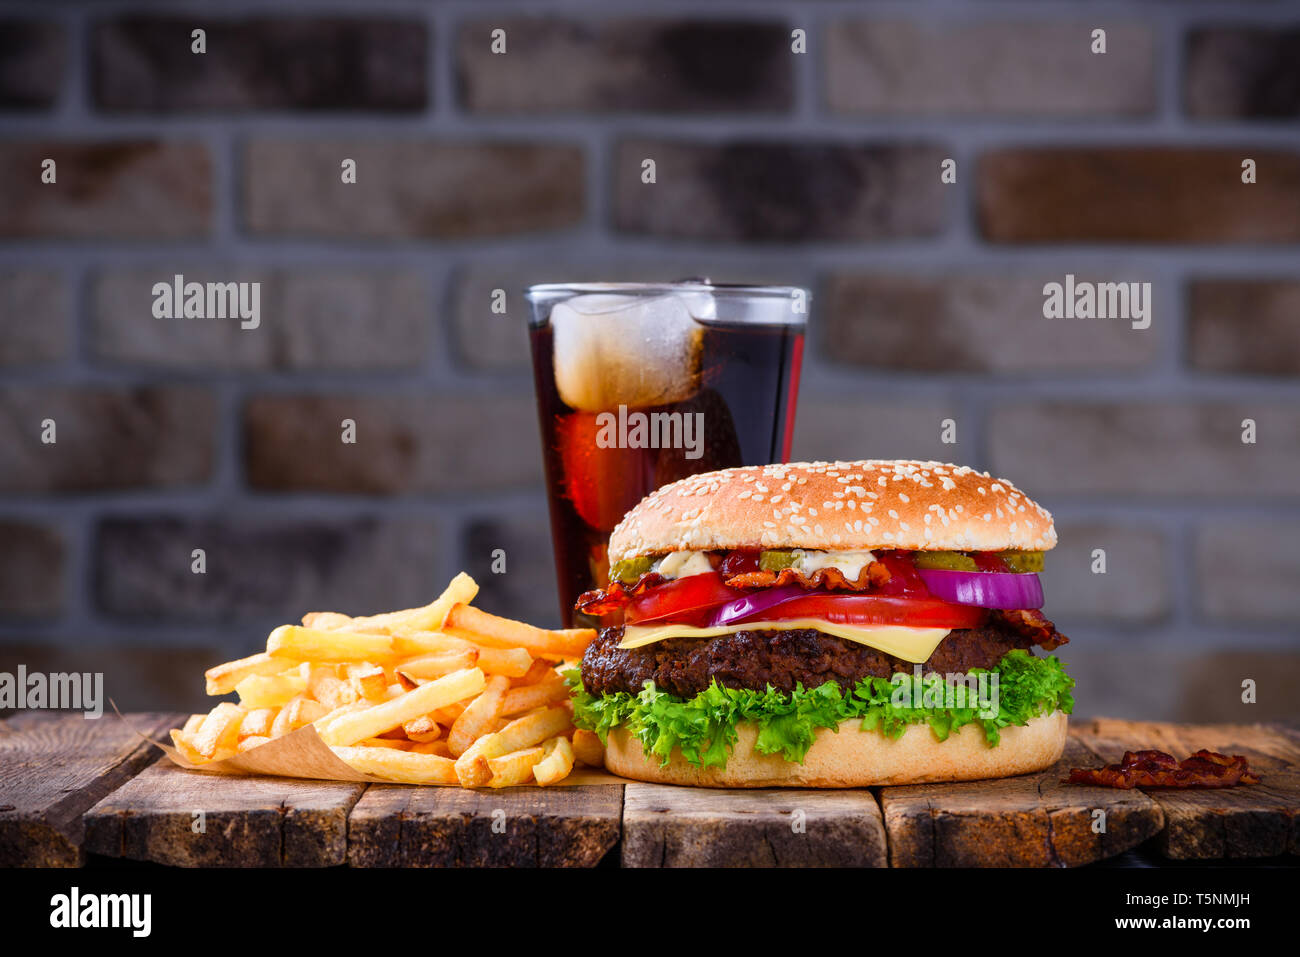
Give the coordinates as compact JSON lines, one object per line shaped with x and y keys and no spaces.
{"x":71,"y":788}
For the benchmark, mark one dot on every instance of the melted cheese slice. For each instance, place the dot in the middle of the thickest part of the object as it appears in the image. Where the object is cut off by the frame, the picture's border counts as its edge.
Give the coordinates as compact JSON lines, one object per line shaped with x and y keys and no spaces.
{"x":911,"y":644}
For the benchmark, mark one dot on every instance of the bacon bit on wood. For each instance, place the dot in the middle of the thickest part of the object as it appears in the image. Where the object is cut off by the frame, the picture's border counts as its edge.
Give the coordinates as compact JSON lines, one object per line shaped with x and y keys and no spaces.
{"x":1156,"y":769}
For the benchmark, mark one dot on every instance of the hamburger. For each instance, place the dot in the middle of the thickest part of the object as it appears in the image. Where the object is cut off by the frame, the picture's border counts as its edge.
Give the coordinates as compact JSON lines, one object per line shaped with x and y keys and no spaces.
{"x":826,"y":624}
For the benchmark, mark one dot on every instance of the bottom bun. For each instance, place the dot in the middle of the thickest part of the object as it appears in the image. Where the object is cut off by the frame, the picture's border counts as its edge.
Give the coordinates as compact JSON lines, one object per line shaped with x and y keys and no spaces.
{"x":852,"y":758}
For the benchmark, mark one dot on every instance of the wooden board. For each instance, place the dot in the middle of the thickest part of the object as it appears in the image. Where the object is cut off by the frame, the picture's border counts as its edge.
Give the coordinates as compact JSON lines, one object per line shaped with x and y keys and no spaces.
{"x":53,"y":767}
{"x":1028,"y":821}
{"x":704,"y":827}
{"x":168,"y":815}
{"x":1258,"y":820}
{"x":396,"y":826}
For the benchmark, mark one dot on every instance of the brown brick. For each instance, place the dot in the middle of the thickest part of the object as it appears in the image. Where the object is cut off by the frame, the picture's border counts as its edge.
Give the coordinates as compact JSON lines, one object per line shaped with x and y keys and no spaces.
{"x":829,"y":428}
{"x":1138,"y":195}
{"x":310,"y":319}
{"x":1028,"y":68}
{"x":425,"y":444}
{"x":526,"y":589}
{"x":969,"y":323}
{"x":685,"y":66}
{"x":779,"y":191}
{"x":1242,"y":72}
{"x":145,"y":63}
{"x":262,"y":568}
{"x":32,"y":56}
{"x":107,"y":438}
{"x":1141,"y":447}
{"x":138,"y":676}
{"x":1244,"y":326}
{"x":1134,"y":587}
{"x":107,"y":190}
{"x":1248,"y":570}
{"x":34,"y":318}
{"x":31,"y":570}
{"x":410,"y":188}
{"x":499,"y":341}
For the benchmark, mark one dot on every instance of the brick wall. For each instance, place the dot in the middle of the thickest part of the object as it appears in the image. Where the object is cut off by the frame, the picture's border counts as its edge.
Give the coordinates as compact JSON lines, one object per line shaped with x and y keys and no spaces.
{"x":479,"y":171}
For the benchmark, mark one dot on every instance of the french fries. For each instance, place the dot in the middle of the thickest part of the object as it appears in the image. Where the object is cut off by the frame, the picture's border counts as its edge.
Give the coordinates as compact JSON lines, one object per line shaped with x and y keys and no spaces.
{"x":443,"y":694}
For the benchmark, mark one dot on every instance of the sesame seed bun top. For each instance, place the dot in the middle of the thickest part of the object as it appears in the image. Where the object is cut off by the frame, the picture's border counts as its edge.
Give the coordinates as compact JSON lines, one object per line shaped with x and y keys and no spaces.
{"x":836,"y":506}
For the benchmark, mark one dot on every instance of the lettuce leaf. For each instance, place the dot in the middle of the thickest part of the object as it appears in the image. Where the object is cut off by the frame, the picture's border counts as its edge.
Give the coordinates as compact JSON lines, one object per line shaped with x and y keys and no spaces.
{"x":703,"y":728}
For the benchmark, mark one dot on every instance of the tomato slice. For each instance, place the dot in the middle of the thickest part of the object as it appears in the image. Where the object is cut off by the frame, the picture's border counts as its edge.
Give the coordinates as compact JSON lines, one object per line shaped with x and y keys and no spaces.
{"x":844,"y":609}
{"x":677,"y":599}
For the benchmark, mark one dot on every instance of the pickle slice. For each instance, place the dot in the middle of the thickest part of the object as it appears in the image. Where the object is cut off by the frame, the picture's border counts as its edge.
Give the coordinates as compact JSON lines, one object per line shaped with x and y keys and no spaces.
{"x":630,"y":569}
{"x":1019,"y":561}
{"x":947,"y":561}
{"x":774,"y":561}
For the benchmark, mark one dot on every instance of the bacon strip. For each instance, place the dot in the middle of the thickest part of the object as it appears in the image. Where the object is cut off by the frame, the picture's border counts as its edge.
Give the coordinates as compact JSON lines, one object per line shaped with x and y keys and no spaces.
{"x":616,"y":595}
{"x":1034,"y":625}
{"x":1156,"y":769}
{"x":872,"y":575}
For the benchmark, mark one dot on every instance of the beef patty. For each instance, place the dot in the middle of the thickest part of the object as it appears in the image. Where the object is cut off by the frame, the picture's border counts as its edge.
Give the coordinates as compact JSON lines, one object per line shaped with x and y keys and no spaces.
{"x":782,"y":659}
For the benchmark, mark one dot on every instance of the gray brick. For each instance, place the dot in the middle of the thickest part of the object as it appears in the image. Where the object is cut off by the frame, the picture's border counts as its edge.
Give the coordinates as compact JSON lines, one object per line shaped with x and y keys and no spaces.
{"x":31,"y":570}
{"x":1244,"y":326}
{"x":409,"y":189}
{"x":424,"y":444}
{"x":829,"y":428}
{"x":107,"y":190}
{"x":259,"y":568}
{"x":969,"y":323}
{"x":1137,"y":195}
{"x":34,"y":318}
{"x":32,"y":57}
{"x":1134,"y":587}
{"x":686,"y":66}
{"x":310,"y":319}
{"x":779,"y":191}
{"x":108,"y":438}
{"x":1249,"y":571}
{"x":1147,"y":448}
{"x":526,"y":590}
{"x":1025,"y":68}
{"x":145,"y":64}
{"x":1242,"y":72}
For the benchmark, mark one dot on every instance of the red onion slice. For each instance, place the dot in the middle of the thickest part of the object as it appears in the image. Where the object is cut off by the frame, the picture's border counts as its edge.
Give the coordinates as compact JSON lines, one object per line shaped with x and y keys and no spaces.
{"x":750,"y":605}
{"x":985,"y":589}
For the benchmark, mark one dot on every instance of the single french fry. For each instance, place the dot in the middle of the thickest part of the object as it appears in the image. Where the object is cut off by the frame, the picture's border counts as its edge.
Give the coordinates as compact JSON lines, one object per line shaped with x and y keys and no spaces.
{"x":438,"y":747}
{"x":429,"y":643}
{"x":404,"y":767}
{"x":270,"y":691}
{"x":514,"y":768}
{"x":539,"y":670}
{"x":422,"y":729}
{"x":400,"y":745}
{"x":218,"y":736}
{"x":368,"y":681}
{"x":557,"y":764}
{"x":587,"y":748}
{"x":465,"y":621}
{"x":437,"y":665}
{"x":184,"y":743}
{"x":351,"y":728}
{"x":511,"y":662}
{"x":256,"y":723}
{"x":326,"y":620}
{"x":429,"y":617}
{"x":447,"y":716}
{"x":352,"y":708}
{"x":519,"y":700}
{"x":192,"y":723}
{"x":224,"y":677}
{"x":295,"y":643}
{"x":251,"y":742}
{"x":473,"y":721}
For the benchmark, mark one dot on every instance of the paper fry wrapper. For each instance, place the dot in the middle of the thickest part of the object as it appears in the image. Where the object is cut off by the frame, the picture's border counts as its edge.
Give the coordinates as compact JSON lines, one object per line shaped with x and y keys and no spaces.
{"x":302,"y":754}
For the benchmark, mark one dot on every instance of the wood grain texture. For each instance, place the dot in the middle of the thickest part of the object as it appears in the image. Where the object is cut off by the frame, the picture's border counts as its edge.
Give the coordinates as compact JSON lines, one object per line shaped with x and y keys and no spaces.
{"x":665,"y":826}
{"x":53,"y":766}
{"x":1254,"y":820}
{"x":396,"y":826}
{"x":246,"y":821}
{"x":1032,"y":820}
